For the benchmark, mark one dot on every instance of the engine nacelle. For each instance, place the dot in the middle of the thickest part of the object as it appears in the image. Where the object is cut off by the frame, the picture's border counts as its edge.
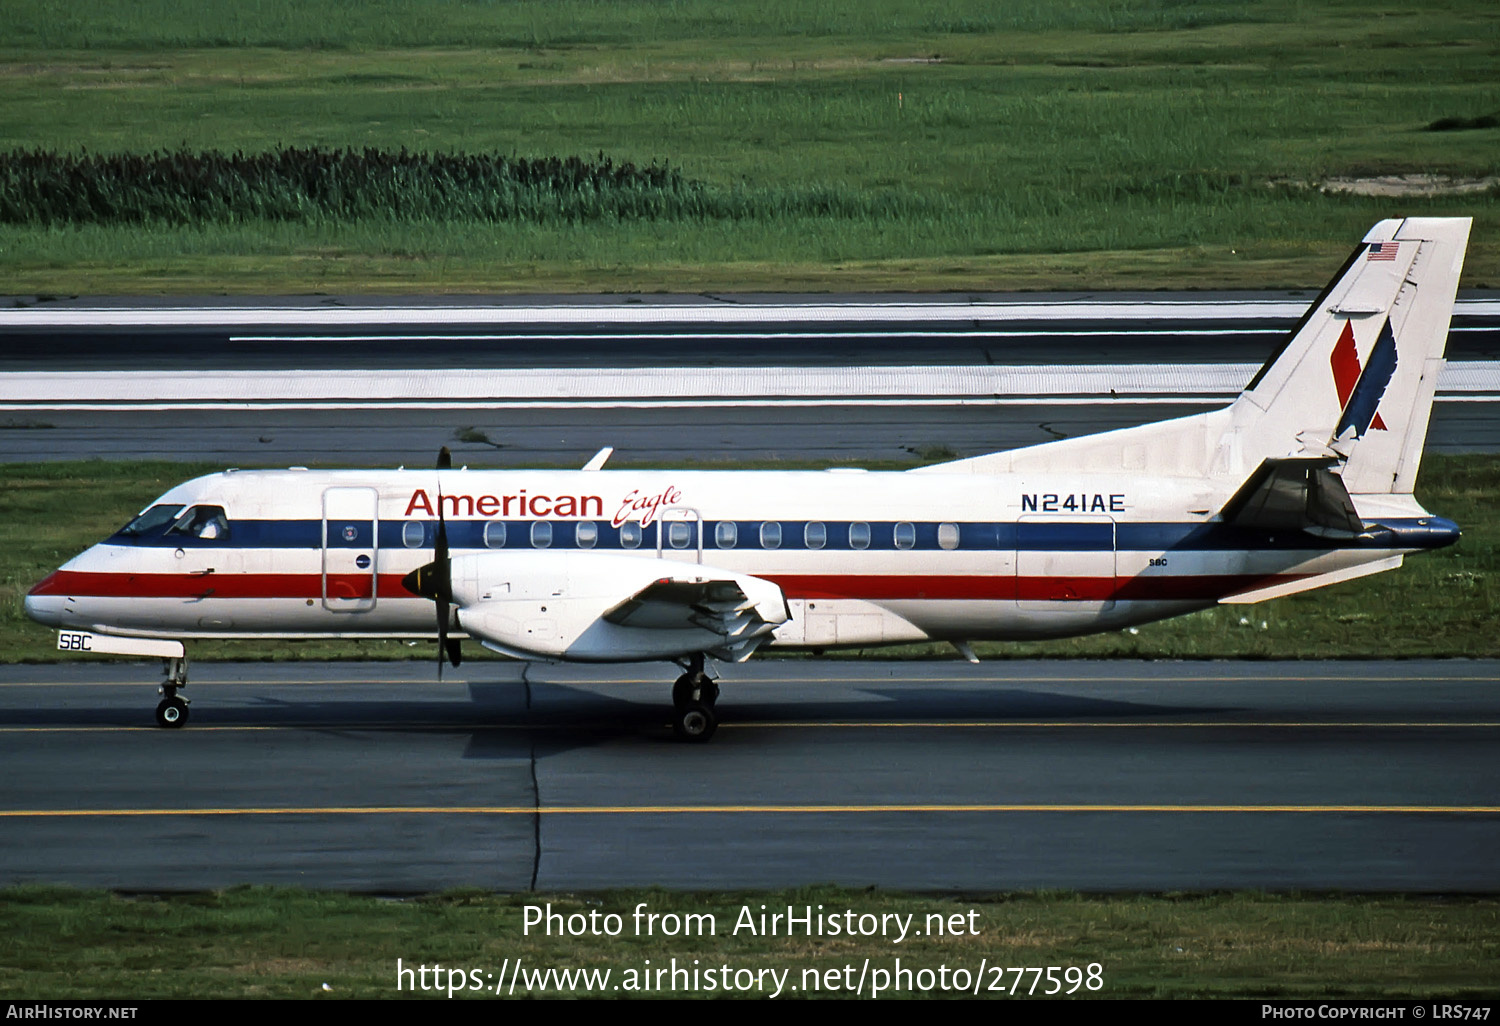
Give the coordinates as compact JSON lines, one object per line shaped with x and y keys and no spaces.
{"x":601,"y":606}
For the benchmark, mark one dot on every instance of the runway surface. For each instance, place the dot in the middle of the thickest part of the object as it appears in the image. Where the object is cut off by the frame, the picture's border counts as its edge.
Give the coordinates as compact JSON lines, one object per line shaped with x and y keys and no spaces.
{"x":662,"y":379}
{"x":829,"y":434}
{"x":720,"y":330}
{"x":930,"y":776}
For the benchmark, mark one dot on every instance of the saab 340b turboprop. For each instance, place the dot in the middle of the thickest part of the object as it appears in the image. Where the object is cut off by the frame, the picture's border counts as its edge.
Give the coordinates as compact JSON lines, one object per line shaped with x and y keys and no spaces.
{"x":1304,"y":480}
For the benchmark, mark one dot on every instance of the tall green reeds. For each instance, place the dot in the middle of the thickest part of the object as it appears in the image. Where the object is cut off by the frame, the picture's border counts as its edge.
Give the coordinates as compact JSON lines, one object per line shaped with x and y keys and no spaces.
{"x":45,"y":188}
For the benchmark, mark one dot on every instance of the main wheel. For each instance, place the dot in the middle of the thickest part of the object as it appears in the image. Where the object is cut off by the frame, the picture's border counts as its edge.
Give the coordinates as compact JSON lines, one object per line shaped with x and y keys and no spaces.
{"x":171,"y":712}
{"x":694,"y":722}
{"x":682,"y":691}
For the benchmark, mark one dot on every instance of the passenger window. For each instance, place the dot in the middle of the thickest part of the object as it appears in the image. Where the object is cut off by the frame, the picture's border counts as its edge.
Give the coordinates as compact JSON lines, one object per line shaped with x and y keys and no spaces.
{"x":726,"y":534}
{"x":541,"y":534}
{"x":770,"y":535}
{"x":413,"y":534}
{"x":815,"y":535}
{"x":680,"y":534}
{"x":859,"y":535}
{"x":906,"y":535}
{"x":630,"y":535}
{"x":586,"y":534}
{"x":494,"y":534}
{"x":947,"y":536}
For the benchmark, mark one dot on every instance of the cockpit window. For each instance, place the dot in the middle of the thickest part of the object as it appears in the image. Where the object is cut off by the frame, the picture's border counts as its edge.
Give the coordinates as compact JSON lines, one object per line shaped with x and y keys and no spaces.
{"x":152,"y":521}
{"x":206,"y":522}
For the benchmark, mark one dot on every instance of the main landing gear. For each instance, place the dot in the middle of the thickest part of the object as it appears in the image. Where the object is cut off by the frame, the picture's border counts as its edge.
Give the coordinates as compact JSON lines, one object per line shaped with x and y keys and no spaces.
{"x":693,"y":698}
{"x":172,"y":711}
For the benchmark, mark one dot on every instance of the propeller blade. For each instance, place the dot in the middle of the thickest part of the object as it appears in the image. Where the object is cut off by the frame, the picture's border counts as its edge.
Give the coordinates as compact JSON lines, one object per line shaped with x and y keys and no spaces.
{"x":442,"y":615}
{"x":443,"y":586}
{"x":434,"y":580}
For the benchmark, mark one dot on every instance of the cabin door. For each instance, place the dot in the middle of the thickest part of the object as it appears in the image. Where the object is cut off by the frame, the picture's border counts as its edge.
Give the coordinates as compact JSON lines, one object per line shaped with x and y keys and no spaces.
{"x":350,"y":547}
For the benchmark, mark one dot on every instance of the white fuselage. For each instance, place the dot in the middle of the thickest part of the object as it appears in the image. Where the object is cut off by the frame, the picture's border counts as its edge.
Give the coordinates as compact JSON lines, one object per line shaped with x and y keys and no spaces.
{"x":861,"y":558}
{"x":1306,"y":479}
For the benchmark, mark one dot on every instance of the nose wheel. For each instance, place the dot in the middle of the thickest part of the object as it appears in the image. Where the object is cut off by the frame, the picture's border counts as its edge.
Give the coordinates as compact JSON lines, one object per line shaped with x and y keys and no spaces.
{"x":172,"y":710}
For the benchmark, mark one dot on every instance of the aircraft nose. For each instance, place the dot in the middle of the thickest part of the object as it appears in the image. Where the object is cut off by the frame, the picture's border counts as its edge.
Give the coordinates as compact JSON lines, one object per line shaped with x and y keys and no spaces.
{"x":43,"y":603}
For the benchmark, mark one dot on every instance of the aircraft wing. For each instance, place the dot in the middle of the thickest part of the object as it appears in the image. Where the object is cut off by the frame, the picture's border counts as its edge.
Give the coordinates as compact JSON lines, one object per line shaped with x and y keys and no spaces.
{"x":570,"y":605}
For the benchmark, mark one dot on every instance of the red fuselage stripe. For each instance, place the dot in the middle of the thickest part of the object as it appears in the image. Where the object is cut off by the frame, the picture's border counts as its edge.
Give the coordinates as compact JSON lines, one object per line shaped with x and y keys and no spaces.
{"x":224,"y":586}
{"x":872,"y":587}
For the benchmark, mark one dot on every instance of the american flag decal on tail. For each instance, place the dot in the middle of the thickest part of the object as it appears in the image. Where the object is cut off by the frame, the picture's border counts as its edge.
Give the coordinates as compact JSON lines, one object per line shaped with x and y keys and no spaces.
{"x":1382,"y":251}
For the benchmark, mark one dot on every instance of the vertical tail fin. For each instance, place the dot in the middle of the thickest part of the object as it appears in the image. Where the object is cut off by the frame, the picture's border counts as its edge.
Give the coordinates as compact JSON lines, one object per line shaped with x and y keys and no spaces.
{"x":1348,"y":396}
{"x":1356,"y":378}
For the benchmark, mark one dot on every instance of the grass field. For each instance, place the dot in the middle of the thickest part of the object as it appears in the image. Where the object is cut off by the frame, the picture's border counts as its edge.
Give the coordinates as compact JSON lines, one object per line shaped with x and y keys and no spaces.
{"x":290,"y":944}
{"x":1084,"y":144}
{"x":1440,"y":604}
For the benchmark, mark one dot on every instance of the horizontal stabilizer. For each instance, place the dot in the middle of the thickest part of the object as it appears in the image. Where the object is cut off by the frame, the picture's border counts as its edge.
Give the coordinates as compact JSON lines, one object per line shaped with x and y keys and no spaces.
{"x":1294,"y":494}
{"x":1300,"y":584}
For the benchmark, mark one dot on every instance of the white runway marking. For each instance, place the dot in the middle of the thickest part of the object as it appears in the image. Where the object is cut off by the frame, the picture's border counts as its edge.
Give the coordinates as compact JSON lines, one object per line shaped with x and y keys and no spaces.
{"x":1084,"y":384}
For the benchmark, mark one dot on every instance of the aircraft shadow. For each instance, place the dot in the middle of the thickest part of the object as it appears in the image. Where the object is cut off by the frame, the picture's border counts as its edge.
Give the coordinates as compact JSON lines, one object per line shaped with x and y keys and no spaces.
{"x":511,"y":719}
{"x":565,"y":717}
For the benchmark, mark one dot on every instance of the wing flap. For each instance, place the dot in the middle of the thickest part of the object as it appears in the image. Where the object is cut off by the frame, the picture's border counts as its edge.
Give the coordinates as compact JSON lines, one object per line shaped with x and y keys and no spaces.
{"x":720,"y":606}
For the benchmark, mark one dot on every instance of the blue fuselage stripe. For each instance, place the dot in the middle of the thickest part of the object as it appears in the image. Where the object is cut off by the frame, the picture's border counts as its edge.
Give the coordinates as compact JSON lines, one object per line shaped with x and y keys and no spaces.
{"x":1025,"y":536}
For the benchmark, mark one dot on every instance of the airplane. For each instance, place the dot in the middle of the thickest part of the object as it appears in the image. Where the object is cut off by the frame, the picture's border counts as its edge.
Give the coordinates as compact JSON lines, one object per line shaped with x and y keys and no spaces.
{"x":1302,"y":481}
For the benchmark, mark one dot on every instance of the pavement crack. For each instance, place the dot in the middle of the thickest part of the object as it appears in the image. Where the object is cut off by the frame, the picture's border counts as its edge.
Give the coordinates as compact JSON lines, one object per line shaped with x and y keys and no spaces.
{"x":536,"y":791}
{"x":536,"y":821}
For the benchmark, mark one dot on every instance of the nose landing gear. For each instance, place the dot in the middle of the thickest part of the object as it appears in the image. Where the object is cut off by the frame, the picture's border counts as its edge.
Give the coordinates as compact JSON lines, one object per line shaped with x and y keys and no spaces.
{"x":172,"y":711}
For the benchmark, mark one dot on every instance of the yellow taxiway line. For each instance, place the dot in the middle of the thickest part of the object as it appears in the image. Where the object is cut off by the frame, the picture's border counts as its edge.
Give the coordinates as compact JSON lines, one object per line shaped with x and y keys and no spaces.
{"x":418,"y":725}
{"x":603,"y":810}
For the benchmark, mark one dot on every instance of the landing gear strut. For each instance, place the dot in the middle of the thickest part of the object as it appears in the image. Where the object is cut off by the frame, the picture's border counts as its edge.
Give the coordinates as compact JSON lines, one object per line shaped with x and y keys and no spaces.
{"x":693,"y":698}
{"x":172,"y":711}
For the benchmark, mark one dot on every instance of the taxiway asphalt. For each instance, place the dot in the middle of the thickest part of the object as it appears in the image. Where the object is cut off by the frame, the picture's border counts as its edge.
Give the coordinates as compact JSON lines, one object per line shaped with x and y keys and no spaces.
{"x":1098,"y":776}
